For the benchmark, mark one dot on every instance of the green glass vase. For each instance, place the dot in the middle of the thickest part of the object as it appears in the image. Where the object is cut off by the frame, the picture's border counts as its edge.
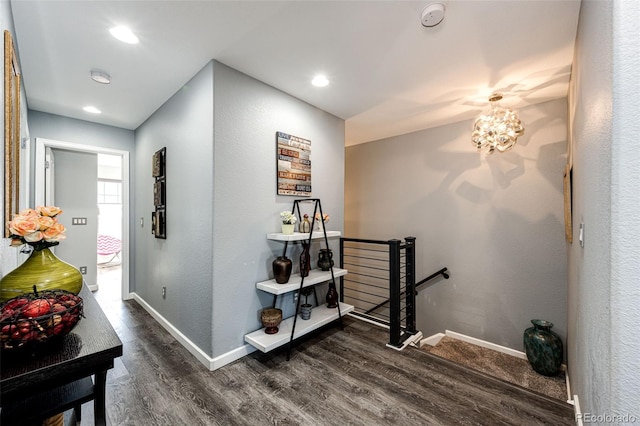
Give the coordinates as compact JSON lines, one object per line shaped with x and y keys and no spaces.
{"x":44,"y":270}
{"x":543,"y":348}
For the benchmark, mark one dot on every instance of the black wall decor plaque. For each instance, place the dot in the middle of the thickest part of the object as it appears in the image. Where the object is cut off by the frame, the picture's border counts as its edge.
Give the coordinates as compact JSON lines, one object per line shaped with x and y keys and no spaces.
{"x":159,"y":173}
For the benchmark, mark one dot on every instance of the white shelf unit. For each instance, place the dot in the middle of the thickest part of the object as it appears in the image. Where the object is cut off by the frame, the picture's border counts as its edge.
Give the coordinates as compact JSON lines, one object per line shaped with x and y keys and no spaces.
{"x":301,"y":236}
{"x":316,"y":276}
{"x":320,"y":315}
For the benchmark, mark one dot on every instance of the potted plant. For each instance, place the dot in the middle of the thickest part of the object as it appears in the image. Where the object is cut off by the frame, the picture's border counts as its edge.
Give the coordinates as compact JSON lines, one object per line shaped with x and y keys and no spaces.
{"x":288,"y":220}
{"x":305,"y":308}
{"x":39,"y":228}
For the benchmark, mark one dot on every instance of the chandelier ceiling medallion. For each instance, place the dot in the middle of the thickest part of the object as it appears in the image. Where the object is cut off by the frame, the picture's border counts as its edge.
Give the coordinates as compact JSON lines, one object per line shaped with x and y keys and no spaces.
{"x":499,"y":130}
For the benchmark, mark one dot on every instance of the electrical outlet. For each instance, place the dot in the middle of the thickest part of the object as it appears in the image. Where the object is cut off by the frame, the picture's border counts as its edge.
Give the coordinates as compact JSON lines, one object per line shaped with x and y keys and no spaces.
{"x":164,"y":292}
{"x":83,"y":270}
{"x":295,"y":298}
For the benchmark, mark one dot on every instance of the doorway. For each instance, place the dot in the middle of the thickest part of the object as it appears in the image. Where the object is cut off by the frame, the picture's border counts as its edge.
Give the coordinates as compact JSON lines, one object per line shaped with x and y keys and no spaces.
{"x":120,"y":225}
{"x":109,"y":261}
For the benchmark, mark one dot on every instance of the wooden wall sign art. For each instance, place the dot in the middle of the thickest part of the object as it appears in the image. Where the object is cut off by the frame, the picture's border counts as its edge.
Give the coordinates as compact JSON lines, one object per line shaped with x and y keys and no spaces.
{"x":293,"y":156}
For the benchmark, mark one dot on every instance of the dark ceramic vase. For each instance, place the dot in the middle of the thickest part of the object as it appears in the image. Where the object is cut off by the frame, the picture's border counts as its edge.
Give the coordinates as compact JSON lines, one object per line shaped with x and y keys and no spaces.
{"x":543,"y":348}
{"x":282,"y":269}
{"x":305,"y":260}
{"x":332,"y":297}
{"x":325,"y":259}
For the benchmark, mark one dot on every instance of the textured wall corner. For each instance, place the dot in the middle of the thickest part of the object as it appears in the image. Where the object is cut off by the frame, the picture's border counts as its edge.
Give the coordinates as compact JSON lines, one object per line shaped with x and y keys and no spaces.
{"x":8,"y":257}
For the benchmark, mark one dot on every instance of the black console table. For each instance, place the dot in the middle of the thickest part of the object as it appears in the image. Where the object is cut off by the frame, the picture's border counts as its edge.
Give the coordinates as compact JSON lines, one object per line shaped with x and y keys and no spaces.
{"x":58,"y":377}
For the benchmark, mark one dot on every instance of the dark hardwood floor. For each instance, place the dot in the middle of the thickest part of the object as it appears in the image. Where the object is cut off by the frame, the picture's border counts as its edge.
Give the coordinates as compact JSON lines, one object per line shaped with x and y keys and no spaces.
{"x":338,"y":377}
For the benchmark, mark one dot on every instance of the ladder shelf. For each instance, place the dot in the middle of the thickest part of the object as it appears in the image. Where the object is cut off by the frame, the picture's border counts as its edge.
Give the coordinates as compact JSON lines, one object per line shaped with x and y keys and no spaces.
{"x":290,"y":328}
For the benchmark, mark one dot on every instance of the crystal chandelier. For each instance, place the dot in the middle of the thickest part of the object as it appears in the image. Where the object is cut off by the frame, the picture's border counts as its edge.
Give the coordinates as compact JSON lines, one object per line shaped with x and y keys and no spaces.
{"x":499,"y":130}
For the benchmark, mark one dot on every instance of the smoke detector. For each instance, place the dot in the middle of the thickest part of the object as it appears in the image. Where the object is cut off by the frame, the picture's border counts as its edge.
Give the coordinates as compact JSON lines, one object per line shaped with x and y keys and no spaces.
{"x":100,"y":77}
{"x":432,"y":14}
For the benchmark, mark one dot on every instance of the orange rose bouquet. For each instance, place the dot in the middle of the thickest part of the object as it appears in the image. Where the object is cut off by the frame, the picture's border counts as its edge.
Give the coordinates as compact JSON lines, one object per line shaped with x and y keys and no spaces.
{"x":324,"y":217}
{"x":39,"y":228}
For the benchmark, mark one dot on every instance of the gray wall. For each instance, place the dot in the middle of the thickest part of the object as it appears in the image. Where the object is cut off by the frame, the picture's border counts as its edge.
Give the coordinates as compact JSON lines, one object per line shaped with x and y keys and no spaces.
{"x":182,"y":262}
{"x":603,"y":343}
{"x":76,"y":191}
{"x":248,"y":114}
{"x":219,"y":131}
{"x":495,"y":221}
{"x":65,"y":129}
{"x":625,"y":205}
{"x":59,"y":128}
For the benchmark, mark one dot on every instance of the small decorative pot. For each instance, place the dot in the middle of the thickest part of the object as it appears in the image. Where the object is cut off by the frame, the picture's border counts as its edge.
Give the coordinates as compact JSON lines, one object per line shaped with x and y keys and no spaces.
{"x":305,"y":311}
{"x":271,"y":319}
{"x":332,"y":297}
{"x":282,"y":269}
{"x":287,"y":228}
{"x":543,"y":348}
{"x":325,"y":259}
{"x":305,"y":226}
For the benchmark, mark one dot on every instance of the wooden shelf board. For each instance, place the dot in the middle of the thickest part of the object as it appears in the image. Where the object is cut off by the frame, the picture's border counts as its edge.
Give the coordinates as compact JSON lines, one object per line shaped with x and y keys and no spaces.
{"x":320,"y":315}
{"x":300,"y":236}
{"x":315,"y":276}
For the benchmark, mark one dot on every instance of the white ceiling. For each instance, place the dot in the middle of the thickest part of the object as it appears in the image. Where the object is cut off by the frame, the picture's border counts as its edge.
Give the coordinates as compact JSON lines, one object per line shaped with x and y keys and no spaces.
{"x":389,"y":74}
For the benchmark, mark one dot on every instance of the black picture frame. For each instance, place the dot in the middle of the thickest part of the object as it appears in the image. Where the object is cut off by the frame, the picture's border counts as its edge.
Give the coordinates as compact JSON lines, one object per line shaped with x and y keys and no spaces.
{"x":159,"y":192}
{"x":160,"y":224}
{"x":158,"y":163}
{"x":159,"y":171}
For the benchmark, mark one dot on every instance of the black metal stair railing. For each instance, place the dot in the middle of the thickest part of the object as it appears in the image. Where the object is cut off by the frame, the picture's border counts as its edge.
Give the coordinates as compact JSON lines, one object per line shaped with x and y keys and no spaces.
{"x":381,"y":283}
{"x":380,"y":274}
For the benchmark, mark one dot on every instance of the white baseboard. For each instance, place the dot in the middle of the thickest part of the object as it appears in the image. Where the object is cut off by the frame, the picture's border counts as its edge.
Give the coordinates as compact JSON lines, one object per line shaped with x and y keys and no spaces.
{"x":229,"y":357}
{"x":485,"y":344}
{"x":569,"y":395}
{"x":577,"y":411}
{"x":206,"y":360}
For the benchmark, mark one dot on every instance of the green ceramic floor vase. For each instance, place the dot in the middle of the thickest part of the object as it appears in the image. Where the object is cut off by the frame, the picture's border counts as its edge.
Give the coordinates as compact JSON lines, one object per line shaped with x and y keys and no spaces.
{"x":44,"y":270}
{"x":543,"y":348}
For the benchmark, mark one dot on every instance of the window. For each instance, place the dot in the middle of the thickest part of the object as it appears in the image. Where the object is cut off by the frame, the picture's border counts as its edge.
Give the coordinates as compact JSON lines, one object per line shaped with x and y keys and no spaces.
{"x":109,"y":192}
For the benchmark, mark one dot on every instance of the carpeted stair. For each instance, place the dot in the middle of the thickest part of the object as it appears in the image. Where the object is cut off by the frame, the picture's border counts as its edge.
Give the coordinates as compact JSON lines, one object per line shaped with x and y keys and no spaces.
{"x":499,"y":365}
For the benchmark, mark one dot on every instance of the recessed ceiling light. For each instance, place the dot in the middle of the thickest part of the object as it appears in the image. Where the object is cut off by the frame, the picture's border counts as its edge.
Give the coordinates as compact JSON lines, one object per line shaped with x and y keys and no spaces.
{"x":92,"y":110}
{"x":100,"y":77}
{"x":124,"y":34}
{"x":320,"y":81}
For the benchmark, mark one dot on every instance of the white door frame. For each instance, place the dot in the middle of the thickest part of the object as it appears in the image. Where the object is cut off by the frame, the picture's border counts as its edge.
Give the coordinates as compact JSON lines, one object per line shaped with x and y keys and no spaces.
{"x":42,"y":144}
